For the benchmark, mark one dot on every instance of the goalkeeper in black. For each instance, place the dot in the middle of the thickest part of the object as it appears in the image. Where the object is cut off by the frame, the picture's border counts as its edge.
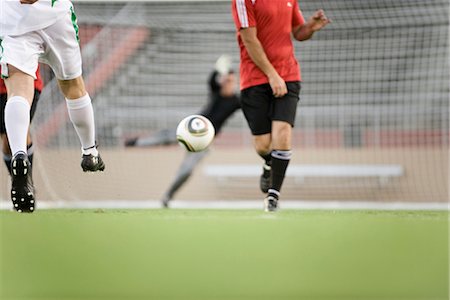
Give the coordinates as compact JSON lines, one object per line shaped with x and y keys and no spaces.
{"x":223,"y":102}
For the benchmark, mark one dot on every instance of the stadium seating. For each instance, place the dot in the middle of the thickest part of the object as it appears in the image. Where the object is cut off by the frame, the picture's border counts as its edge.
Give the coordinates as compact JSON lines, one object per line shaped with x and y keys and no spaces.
{"x":382,"y":173}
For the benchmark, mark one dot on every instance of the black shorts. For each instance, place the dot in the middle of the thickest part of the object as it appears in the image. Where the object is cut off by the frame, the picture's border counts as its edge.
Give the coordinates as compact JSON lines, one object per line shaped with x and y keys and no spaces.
{"x":3,"y":104}
{"x":260,"y":107}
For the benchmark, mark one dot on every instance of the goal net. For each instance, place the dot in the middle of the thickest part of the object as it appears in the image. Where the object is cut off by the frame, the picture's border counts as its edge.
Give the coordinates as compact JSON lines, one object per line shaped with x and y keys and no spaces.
{"x":372,"y":122}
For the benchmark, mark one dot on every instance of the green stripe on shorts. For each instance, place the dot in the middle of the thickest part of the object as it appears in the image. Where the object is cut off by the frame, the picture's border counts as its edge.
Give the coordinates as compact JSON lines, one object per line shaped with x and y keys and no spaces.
{"x":74,"y":23}
{"x":1,"y":54}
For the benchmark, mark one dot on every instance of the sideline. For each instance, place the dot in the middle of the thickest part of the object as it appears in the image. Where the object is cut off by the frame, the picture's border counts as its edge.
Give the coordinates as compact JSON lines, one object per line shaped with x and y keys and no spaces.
{"x":235,"y":204}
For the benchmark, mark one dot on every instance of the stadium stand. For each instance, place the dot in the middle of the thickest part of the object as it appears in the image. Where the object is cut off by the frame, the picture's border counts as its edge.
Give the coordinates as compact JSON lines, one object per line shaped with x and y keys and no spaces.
{"x":359,"y":73}
{"x":375,"y":92}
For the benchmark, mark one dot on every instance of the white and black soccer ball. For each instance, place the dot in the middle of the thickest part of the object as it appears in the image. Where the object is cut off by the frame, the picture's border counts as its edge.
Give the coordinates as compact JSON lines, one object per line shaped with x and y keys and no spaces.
{"x":195,"y":133}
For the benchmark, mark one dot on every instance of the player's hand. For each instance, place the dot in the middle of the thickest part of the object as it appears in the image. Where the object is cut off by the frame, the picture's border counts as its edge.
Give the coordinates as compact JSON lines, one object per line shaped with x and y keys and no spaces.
{"x":278,"y":85}
{"x":318,"y":20}
{"x":28,"y":1}
{"x":228,"y":85}
{"x":223,"y":64}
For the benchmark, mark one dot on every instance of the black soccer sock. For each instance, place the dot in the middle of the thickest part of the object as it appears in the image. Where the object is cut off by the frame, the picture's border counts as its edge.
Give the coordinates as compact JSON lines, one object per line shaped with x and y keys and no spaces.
{"x":273,"y":193}
{"x":280,"y":162}
{"x":7,"y":159}
{"x":267,"y":158}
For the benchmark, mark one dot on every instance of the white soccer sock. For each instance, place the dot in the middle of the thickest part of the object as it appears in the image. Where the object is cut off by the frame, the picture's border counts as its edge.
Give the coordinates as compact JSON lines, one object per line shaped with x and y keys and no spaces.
{"x":81,"y":114}
{"x":17,"y":121}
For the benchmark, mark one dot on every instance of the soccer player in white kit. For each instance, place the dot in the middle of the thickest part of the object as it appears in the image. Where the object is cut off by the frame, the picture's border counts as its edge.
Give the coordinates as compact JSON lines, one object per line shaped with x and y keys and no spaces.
{"x":45,"y":31}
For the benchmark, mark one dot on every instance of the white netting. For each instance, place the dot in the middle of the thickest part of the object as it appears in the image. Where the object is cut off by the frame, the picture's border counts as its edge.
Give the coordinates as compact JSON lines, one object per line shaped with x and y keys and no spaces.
{"x":375,"y":91}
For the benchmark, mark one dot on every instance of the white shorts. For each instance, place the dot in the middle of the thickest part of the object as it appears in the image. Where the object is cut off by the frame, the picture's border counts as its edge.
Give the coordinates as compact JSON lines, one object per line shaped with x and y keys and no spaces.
{"x":56,"y":46}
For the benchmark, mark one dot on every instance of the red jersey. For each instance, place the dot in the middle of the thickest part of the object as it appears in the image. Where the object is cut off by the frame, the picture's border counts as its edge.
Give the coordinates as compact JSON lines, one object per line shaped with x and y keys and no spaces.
{"x":274,"y":20}
{"x":38,"y":83}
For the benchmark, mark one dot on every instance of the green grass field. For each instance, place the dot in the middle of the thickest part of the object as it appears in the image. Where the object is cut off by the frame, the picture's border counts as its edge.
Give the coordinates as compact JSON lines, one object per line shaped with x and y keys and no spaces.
{"x":223,"y":254}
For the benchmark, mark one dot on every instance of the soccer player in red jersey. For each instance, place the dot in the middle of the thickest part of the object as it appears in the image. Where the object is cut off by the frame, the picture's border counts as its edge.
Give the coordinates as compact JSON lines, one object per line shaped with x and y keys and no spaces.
{"x":7,"y":156}
{"x":270,"y":80}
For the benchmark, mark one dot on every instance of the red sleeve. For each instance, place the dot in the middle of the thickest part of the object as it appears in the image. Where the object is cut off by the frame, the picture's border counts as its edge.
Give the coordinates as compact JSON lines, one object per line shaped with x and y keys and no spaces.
{"x":297,"y":16}
{"x":243,"y":14}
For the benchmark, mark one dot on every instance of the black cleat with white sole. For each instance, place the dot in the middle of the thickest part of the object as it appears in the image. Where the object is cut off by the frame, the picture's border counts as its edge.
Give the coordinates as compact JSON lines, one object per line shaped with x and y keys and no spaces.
{"x":131,"y":142}
{"x":22,"y":189}
{"x":270,"y":204}
{"x":91,"y":163}
{"x":165,"y":201}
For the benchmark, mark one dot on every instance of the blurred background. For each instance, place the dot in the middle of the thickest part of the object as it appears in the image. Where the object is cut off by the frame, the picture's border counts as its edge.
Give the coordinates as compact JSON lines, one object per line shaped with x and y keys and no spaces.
{"x":372,"y":122}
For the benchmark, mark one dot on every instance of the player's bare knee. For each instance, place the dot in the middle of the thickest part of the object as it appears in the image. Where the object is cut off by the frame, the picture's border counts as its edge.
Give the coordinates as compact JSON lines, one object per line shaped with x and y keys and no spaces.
{"x":19,"y":84}
{"x":73,"y":88}
{"x":262,"y":144}
{"x":263,"y":150}
{"x":282,"y":136}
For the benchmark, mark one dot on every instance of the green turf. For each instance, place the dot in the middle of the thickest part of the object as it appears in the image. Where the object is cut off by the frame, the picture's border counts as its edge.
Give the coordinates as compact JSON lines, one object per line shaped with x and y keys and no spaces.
{"x":220,"y":254}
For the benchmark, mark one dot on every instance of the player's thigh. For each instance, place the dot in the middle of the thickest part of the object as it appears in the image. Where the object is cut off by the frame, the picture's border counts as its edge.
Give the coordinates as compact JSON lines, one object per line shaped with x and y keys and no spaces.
{"x":285,"y":108}
{"x":19,"y":84}
{"x":62,"y":48}
{"x":256,"y":105}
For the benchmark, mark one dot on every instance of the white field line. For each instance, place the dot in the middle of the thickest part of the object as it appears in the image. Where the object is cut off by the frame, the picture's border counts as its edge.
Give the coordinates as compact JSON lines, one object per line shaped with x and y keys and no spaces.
{"x":234,"y":204}
{"x":150,"y":1}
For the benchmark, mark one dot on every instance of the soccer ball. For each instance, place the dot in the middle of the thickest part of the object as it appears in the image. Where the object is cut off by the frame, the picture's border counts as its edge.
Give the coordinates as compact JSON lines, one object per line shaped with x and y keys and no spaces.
{"x":195,"y":133}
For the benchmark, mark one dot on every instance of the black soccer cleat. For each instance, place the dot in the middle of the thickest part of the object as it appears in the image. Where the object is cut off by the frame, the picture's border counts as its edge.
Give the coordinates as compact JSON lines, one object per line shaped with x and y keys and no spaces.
{"x":91,"y":163}
{"x":131,"y":142}
{"x":264,"y":180}
{"x":270,"y":204}
{"x":22,"y":189}
{"x":165,"y":201}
